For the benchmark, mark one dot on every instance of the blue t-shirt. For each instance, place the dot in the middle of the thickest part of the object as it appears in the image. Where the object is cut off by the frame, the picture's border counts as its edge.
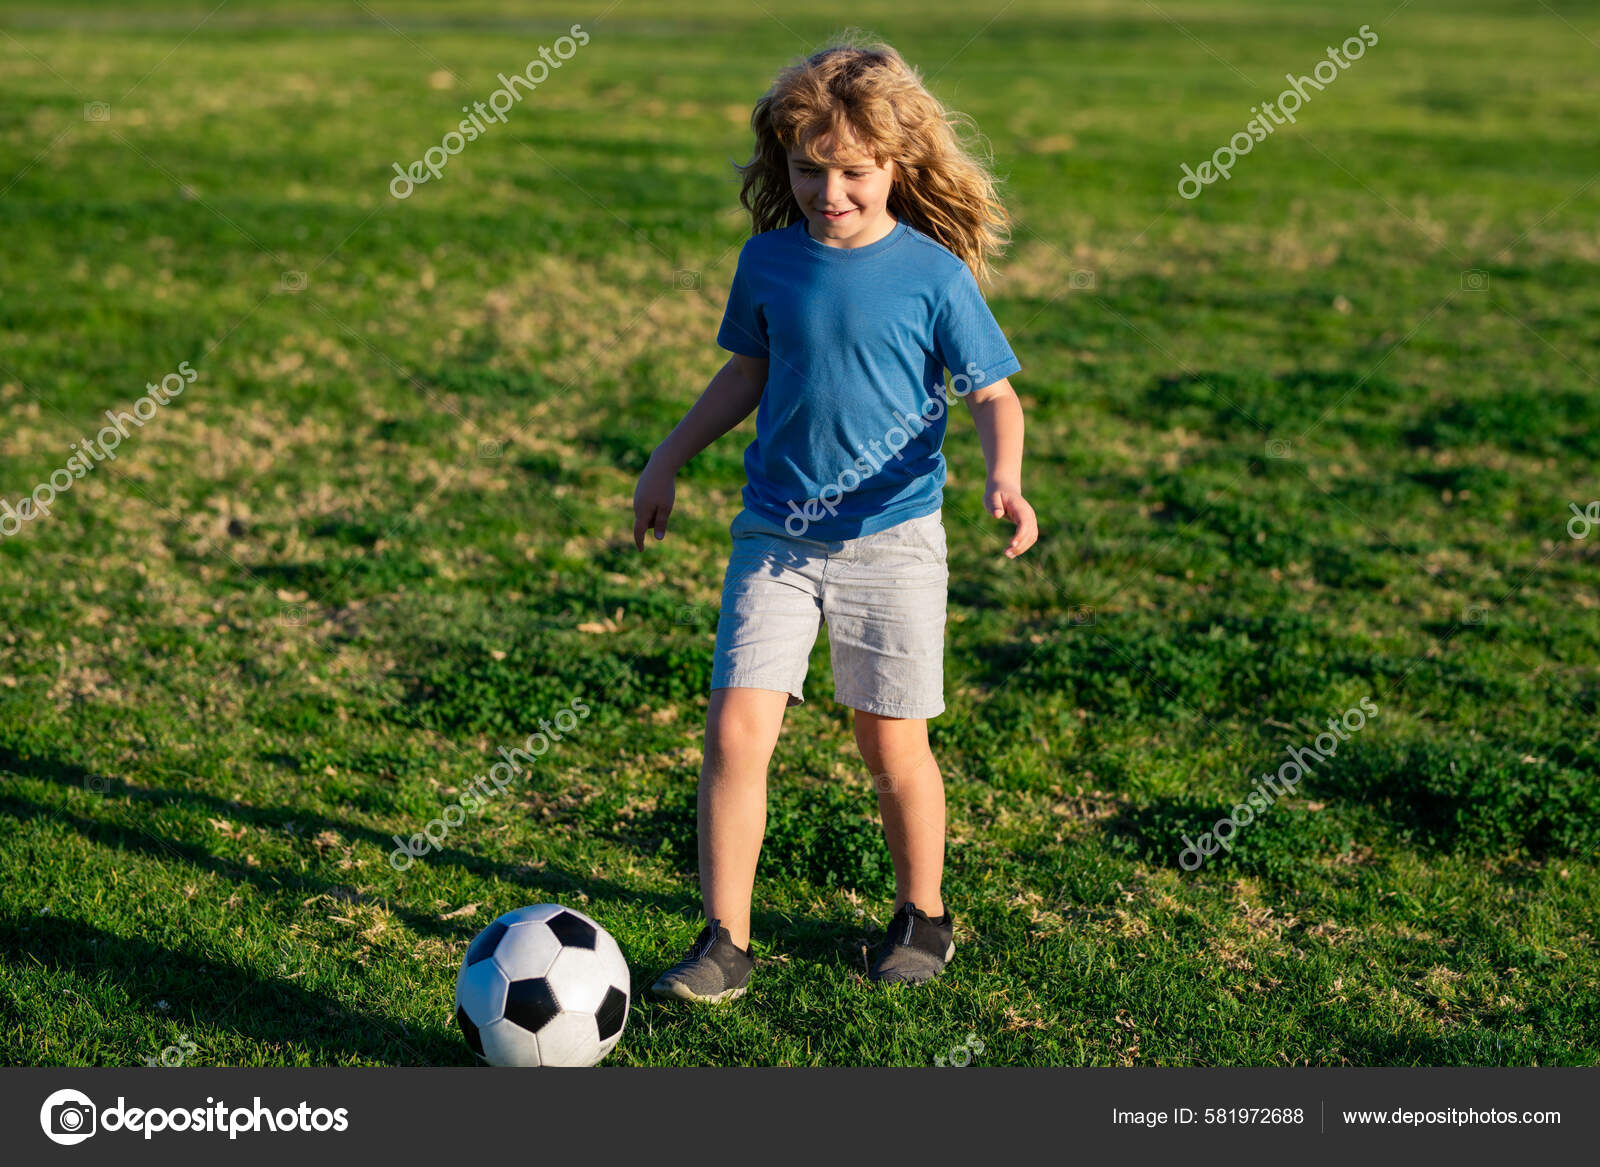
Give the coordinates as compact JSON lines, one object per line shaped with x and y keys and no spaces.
{"x":849,"y":429}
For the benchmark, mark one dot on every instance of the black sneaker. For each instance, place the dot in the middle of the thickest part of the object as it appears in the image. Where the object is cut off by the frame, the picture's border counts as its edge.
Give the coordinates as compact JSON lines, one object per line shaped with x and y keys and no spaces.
{"x":916,"y":947}
{"x":712,"y":970}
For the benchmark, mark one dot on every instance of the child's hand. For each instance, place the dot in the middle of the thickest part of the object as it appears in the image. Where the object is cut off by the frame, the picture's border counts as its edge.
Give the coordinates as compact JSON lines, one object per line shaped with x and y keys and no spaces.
{"x":652,"y":502}
{"x":1005,"y":501}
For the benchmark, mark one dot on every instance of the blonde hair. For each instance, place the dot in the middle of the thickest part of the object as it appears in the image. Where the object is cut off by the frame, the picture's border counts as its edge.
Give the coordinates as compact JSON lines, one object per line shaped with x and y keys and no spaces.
{"x":868,"y":95}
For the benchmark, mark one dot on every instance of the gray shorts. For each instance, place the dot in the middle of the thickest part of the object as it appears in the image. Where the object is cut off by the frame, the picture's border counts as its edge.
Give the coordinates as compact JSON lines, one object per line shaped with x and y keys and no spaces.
{"x":882,"y":597}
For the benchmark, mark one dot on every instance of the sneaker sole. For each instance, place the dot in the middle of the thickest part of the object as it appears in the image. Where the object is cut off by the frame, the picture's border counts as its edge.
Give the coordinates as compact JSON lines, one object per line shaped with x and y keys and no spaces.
{"x":677,"y":990}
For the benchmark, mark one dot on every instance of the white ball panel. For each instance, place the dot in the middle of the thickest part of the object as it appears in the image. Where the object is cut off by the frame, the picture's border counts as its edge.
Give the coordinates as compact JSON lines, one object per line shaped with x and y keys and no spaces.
{"x":613,"y":962}
{"x":569,"y":1040}
{"x":526,"y":951}
{"x":481,"y":991}
{"x":578,"y":979}
{"x":508,"y":1044}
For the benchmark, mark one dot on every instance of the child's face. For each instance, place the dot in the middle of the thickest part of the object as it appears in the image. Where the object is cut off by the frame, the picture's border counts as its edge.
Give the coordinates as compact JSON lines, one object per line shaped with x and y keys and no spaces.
{"x":851,"y":183}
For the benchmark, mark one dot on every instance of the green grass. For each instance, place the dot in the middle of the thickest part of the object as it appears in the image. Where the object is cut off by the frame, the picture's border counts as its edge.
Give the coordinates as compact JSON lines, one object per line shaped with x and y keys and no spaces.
{"x":1284,"y":457}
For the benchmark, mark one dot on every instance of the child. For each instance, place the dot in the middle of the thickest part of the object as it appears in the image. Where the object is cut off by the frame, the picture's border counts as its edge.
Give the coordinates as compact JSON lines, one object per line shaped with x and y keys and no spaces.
{"x":870,"y":224}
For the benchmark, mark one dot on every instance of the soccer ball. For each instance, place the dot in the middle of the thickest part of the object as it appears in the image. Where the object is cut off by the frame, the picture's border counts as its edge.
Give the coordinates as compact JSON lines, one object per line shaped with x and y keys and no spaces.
{"x":542,"y":986}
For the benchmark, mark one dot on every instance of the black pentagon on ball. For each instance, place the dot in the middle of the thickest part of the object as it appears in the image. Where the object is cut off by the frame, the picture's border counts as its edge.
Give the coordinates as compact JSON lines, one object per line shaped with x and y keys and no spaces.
{"x":571,"y":931}
{"x":612,"y":1012}
{"x":469,"y":1031}
{"x":483,"y":947}
{"x":531,"y":1003}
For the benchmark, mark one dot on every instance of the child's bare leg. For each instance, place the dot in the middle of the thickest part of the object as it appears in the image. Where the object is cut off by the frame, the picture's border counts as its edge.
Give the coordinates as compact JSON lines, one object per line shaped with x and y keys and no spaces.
{"x":911,"y":800}
{"x":741,"y":732}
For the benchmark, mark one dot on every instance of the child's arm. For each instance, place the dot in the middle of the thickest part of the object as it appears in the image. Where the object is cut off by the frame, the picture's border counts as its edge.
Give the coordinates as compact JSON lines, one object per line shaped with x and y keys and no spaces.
{"x":998,"y":416}
{"x":732,"y":394}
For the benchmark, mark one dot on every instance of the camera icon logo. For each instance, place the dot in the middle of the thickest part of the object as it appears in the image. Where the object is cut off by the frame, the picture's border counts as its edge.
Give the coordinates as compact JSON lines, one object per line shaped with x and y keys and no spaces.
{"x":176,"y":1055}
{"x":685,"y":280}
{"x":68,"y":1117}
{"x":1584,"y":521}
{"x":960,"y":1055}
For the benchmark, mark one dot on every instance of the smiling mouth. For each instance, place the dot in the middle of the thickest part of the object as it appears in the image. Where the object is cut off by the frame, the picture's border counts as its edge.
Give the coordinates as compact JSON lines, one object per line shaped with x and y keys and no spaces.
{"x":834,"y":216}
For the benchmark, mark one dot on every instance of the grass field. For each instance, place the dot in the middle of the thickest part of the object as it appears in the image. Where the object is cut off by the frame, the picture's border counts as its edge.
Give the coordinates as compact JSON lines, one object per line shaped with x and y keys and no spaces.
{"x":1308,"y":438}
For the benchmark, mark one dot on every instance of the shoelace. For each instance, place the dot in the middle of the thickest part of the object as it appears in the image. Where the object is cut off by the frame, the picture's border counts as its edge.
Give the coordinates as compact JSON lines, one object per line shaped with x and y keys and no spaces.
{"x":708,"y":937}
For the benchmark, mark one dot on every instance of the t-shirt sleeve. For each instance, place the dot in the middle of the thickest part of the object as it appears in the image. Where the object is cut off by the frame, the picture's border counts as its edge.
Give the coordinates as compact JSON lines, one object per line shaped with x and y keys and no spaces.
{"x":967,"y":339}
{"x":744,"y":327}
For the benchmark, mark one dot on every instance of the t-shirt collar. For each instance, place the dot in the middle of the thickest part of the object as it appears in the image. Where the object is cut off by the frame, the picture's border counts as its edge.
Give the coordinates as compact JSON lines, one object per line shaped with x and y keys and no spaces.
{"x":822,"y":250}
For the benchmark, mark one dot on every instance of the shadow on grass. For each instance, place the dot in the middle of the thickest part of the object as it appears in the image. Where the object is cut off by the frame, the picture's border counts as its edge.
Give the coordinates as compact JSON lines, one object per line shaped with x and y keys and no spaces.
{"x":272,"y":1012}
{"x":822,"y":833}
{"x":853,"y":856}
{"x":548,"y":883}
